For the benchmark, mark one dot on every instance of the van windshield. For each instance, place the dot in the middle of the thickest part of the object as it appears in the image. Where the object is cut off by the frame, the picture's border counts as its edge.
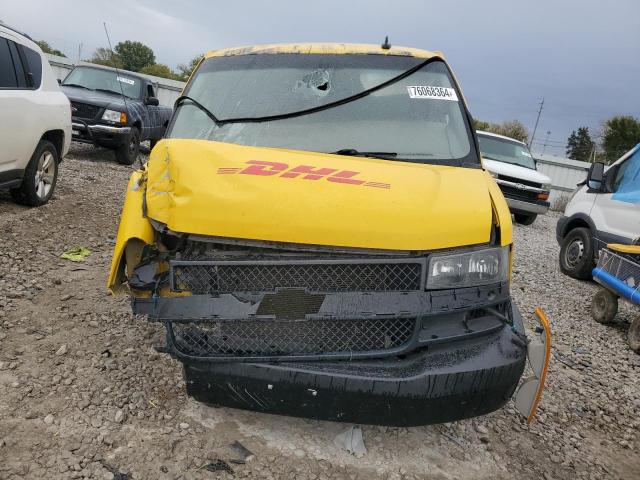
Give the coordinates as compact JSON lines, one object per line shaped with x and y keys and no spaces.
{"x":419,"y":118}
{"x":504,"y":150}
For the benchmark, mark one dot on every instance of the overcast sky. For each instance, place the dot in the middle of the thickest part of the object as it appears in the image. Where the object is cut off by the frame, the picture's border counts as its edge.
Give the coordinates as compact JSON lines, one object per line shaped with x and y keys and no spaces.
{"x":582,"y":56}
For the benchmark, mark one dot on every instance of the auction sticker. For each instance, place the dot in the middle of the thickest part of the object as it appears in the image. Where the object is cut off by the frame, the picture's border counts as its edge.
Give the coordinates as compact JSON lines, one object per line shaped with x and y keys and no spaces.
{"x":432,"y":93}
{"x":126,"y":80}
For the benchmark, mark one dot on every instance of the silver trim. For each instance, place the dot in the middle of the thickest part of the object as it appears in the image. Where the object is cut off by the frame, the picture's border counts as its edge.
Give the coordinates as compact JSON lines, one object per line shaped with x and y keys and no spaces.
{"x":108,"y":129}
{"x":521,"y":206}
{"x":100,"y":128}
{"x":519,"y":186}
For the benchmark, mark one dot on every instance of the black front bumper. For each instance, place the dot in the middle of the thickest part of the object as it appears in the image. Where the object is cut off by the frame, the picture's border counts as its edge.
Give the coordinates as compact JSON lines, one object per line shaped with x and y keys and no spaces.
{"x":445,"y":383}
{"x":464,"y":358}
{"x":108,"y":136}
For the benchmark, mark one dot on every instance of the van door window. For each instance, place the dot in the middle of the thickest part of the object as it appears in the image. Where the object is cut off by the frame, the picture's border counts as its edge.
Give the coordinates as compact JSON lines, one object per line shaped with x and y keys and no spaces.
{"x":626,"y":186}
{"x":7,"y":71}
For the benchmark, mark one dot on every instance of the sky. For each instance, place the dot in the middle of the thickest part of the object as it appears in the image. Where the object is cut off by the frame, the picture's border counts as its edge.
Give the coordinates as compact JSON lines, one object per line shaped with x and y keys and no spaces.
{"x":581,"y":56}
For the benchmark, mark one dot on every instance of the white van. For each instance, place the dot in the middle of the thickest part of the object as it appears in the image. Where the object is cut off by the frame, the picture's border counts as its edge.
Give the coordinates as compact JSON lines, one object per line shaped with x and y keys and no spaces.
{"x":509,"y":161}
{"x":605,"y":209}
{"x":35,"y":120}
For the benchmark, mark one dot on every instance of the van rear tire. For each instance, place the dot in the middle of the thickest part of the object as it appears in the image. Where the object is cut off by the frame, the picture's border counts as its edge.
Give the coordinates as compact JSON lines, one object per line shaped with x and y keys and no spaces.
{"x":576,"y":254}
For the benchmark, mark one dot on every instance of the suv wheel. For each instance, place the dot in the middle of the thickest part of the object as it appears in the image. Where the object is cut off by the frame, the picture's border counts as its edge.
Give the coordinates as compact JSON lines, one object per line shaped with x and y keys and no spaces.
{"x":126,"y":154}
{"x":524,"y":219}
{"x":40,"y":176}
{"x":576,"y":254}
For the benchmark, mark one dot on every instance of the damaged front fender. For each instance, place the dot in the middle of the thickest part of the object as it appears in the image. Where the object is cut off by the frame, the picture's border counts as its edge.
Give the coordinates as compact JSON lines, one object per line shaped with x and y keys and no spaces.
{"x":134,"y":233}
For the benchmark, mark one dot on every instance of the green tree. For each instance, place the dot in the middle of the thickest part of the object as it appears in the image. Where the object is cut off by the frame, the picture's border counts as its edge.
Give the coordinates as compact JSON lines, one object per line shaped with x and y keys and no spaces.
{"x":159,"y":70}
{"x":46,"y":48}
{"x":511,"y":128}
{"x":481,"y":125}
{"x":580,"y":146}
{"x":135,"y":55}
{"x":620,"y":134}
{"x":185,"y":70}
{"x":104,"y":56}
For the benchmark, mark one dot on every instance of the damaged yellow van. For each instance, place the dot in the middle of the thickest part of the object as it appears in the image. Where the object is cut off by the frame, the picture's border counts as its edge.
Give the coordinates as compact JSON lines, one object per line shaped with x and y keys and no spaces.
{"x":319,"y":238}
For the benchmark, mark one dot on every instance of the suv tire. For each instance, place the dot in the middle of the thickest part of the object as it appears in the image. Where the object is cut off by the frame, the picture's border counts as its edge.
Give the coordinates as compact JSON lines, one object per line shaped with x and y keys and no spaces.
{"x":128,"y":153}
{"x":576,"y":254}
{"x":524,"y":219}
{"x":40,"y":176}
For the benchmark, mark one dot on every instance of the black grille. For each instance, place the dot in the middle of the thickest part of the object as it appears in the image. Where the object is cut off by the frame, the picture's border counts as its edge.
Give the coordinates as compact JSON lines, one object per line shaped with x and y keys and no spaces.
{"x":82,"y":110}
{"x":217,"y":278}
{"x":519,"y":180}
{"x":269,"y":338}
{"x":518,"y":194}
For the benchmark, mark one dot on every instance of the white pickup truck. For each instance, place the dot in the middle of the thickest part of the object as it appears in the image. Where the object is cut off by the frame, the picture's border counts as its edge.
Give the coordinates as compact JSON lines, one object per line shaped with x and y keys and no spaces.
{"x":509,"y":161}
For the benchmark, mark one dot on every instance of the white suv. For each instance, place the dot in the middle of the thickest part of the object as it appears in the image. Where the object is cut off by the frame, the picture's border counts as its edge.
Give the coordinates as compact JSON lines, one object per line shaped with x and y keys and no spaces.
{"x":35,"y":120}
{"x":509,"y":161}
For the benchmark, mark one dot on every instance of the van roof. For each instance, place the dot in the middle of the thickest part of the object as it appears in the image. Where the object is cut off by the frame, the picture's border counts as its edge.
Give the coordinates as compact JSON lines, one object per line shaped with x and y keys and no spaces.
{"x":323,"y":48}
{"x":491,"y":134}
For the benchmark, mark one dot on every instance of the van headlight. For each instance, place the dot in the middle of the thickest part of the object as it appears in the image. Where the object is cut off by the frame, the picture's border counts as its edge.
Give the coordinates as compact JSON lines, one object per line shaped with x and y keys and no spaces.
{"x":478,"y":267}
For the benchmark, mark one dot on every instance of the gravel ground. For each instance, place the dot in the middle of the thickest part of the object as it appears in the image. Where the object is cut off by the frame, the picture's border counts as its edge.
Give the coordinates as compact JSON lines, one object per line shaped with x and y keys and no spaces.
{"x":84,"y":395}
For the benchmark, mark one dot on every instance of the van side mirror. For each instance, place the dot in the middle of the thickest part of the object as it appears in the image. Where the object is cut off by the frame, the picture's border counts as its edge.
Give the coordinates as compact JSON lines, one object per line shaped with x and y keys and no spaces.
{"x":152,"y":101}
{"x":595,"y":178}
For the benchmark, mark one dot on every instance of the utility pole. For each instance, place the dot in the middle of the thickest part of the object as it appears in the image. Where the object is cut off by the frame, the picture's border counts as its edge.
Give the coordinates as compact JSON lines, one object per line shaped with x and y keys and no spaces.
{"x":537,"y":120}
{"x":544,"y":145}
{"x":79,"y":53}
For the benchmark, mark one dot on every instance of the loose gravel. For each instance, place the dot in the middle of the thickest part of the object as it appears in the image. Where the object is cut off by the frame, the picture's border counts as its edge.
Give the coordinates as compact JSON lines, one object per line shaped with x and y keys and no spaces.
{"x":83,"y":394}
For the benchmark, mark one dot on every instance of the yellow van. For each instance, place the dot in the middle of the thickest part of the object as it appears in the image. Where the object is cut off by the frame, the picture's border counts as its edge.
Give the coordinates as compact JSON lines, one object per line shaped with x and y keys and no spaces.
{"x":319,"y":238}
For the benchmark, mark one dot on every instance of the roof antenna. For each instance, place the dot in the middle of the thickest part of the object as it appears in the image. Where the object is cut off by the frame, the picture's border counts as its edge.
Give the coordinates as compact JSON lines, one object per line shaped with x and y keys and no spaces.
{"x":386,"y":45}
{"x":124,"y":97}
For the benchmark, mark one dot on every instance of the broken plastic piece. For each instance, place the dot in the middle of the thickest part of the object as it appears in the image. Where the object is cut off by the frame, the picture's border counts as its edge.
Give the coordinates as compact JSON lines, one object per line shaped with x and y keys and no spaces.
{"x":218,"y":466}
{"x":351,"y":440}
{"x":76,"y":254}
{"x":244,"y":453}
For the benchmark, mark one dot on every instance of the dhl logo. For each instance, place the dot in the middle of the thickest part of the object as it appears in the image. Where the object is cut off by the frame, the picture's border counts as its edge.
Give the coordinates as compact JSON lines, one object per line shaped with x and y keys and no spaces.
{"x":305,"y":172}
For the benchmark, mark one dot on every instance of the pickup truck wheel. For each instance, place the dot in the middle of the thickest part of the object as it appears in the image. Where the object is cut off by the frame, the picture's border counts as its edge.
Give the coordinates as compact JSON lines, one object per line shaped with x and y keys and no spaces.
{"x":40,"y":176}
{"x":523,"y":219}
{"x":604,"y":306}
{"x":576,"y":254}
{"x":633,"y":337}
{"x":128,"y":153}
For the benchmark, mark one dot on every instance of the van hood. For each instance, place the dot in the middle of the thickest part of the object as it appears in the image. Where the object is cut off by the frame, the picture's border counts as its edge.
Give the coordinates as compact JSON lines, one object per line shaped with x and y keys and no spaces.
{"x":224,"y":190}
{"x":515,"y":171}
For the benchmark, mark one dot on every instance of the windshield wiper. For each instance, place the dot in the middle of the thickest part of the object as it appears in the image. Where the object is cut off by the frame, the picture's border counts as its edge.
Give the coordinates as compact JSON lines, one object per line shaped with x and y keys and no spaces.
{"x":352,"y":152}
{"x":307,"y":111}
{"x":183,"y":98}
{"x":75,"y":85}
{"x":106,"y":90}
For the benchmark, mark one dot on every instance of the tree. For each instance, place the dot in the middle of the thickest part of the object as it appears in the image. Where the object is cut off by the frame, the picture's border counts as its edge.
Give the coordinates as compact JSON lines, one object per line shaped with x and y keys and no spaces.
{"x":620,"y":134}
{"x":135,"y":55}
{"x":159,"y":70}
{"x":46,"y":48}
{"x":481,"y":125}
{"x":185,"y":70}
{"x":511,"y":128}
{"x":104,"y":56}
{"x":580,"y":146}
